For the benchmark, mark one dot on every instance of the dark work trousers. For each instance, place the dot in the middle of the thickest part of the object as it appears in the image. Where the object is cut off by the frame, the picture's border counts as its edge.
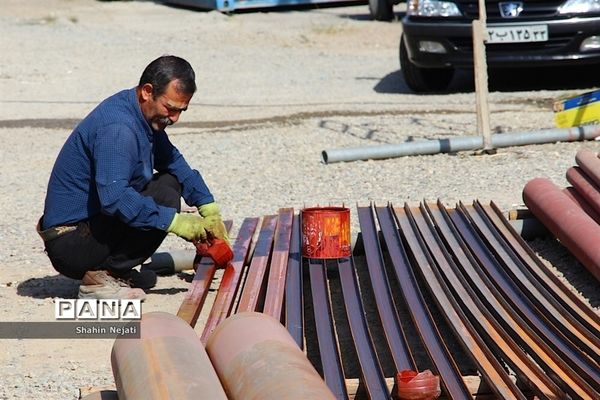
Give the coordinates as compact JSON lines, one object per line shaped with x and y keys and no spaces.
{"x":106,"y":243}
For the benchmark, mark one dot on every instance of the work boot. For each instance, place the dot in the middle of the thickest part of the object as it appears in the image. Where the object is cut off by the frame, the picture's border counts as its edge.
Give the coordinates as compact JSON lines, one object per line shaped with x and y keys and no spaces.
{"x":143,"y":279}
{"x":100,"y":285}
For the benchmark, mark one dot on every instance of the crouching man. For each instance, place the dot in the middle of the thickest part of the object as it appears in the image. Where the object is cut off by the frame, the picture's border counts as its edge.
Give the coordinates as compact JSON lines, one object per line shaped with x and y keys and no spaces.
{"x":116,"y":187}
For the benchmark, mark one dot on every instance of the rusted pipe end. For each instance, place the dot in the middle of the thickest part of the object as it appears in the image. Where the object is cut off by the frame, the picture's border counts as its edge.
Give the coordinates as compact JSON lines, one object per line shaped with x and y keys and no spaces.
{"x":589,"y":162}
{"x":166,"y":362}
{"x":256,"y":358}
{"x":566,"y":220}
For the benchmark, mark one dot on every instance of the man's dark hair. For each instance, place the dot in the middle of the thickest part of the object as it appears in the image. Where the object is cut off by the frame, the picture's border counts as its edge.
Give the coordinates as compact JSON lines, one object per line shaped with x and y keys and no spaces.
{"x":166,"y":69}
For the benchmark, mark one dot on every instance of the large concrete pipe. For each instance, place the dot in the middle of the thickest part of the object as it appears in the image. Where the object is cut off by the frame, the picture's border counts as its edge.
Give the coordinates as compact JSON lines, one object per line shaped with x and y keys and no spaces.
{"x":584,"y":186}
{"x":257,"y":359}
{"x":589,"y":162}
{"x":166,"y":362}
{"x":460,"y":143}
{"x":576,"y":230}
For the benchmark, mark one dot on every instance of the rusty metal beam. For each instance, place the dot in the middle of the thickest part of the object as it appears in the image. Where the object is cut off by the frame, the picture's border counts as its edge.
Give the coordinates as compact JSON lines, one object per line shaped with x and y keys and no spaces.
{"x":223,"y":303}
{"x":371,"y":372}
{"x":193,"y":301}
{"x":449,"y":374}
{"x":429,"y":261}
{"x":331,"y":363}
{"x":551,"y":313}
{"x":558,"y":290}
{"x":294,"y":299}
{"x":542,"y":301}
{"x":496,"y":323}
{"x":254,"y":284}
{"x":388,"y":314}
{"x":279,"y":261}
{"x":520,"y":310}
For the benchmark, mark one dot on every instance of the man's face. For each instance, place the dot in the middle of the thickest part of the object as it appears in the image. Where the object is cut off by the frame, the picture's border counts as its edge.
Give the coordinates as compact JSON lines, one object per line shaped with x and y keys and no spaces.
{"x":164,"y":110}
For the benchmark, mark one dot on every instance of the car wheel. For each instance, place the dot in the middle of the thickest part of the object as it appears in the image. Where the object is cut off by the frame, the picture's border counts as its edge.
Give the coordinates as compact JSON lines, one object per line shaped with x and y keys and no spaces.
{"x":381,"y":10}
{"x":423,"y":79}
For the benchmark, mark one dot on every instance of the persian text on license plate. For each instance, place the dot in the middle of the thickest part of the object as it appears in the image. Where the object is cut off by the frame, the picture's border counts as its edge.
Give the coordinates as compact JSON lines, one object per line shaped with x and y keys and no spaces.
{"x":517,"y":34}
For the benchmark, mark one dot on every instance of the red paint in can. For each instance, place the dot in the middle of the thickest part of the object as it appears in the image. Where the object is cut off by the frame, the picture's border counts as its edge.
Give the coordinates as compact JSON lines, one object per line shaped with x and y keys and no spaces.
{"x":326,"y":232}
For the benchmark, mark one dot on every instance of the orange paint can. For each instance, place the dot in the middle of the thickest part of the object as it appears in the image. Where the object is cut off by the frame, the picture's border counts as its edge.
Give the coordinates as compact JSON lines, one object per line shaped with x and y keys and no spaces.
{"x":326,"y":232}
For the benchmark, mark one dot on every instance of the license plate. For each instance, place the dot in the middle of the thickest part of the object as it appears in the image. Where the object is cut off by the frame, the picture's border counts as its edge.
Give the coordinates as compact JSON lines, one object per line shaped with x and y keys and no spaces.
{"x":517,"y":34}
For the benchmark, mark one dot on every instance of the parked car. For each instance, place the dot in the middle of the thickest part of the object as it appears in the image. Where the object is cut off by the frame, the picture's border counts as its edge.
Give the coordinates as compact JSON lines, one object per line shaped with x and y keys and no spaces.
{"x":437,"y":37}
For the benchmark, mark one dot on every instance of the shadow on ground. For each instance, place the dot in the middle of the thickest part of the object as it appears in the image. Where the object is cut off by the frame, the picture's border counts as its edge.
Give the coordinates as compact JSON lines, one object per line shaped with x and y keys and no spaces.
{"x":571,"y":269}
{"x":49,"y":287}
{"x":506,"y":80}
{"x":66,"y":288}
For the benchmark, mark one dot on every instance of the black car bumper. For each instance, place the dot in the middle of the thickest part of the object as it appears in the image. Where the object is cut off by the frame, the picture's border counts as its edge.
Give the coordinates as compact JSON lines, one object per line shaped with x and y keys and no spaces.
{"x":562,"y":48}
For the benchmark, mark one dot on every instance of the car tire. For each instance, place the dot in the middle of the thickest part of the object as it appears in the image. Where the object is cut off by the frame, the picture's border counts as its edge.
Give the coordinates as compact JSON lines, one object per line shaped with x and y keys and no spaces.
{"x":421,"y":80}
{"x":381,"y":10}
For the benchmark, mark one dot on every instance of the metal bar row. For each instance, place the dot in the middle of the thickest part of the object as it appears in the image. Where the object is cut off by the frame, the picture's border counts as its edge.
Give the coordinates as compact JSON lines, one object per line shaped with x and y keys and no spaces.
{"x":371,"y":372}
{"x":195,"y":297}
{"x":224,"y":300}
{"x":426,"y":327}
{"x":501,"y":303}
{"x":331,"y":362}
{"x":541,"y":301}
{"x":553,"y":285}
{"x":516,"y":301}
{"x":279,"y":261}
{"x":254,"y":284}
{"x":388,"y":313}
{"x":504,"y":331}
{"x":430,"y":256}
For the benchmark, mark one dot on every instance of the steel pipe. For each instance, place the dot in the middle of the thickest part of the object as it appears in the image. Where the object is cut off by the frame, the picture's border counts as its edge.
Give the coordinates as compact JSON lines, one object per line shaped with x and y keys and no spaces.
{"x":327,"y":341}
{"x":567,"y":221}
{"x":256,"y":358}
{"x":170,"y":262}
{"x":461,"y":143}
{"x":574,"y":195}
{"x":589,"y":162}
{"x":166,"y":362}
{"x":584,"y":186}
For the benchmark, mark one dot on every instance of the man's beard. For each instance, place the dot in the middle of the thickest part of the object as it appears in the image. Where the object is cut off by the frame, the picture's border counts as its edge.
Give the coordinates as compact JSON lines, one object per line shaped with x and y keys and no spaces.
{"x":163,"y":122}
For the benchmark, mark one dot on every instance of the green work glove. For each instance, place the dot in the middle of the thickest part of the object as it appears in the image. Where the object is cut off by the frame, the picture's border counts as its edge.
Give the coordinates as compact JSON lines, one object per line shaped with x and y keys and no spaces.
{"x":189,"y":227}
{"x":209,"y":209}
{"x":216,"y":228}
{"x":214,"y":222}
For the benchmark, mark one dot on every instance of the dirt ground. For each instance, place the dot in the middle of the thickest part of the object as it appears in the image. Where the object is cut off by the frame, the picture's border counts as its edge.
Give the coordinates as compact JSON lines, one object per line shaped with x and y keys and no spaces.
{"x":276,"y":87}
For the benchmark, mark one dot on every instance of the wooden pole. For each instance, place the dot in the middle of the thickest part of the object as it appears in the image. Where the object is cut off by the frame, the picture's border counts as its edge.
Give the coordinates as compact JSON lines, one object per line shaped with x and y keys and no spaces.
{"x":481,"y":78}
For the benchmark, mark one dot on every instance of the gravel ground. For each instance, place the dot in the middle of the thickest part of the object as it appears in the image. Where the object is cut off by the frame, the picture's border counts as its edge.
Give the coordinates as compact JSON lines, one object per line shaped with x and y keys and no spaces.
{"x":275,"y":89}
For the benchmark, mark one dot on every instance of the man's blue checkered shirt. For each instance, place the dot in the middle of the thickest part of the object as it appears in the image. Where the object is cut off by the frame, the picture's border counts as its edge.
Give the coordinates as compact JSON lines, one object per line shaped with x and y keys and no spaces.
{"x":107,"y":160}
